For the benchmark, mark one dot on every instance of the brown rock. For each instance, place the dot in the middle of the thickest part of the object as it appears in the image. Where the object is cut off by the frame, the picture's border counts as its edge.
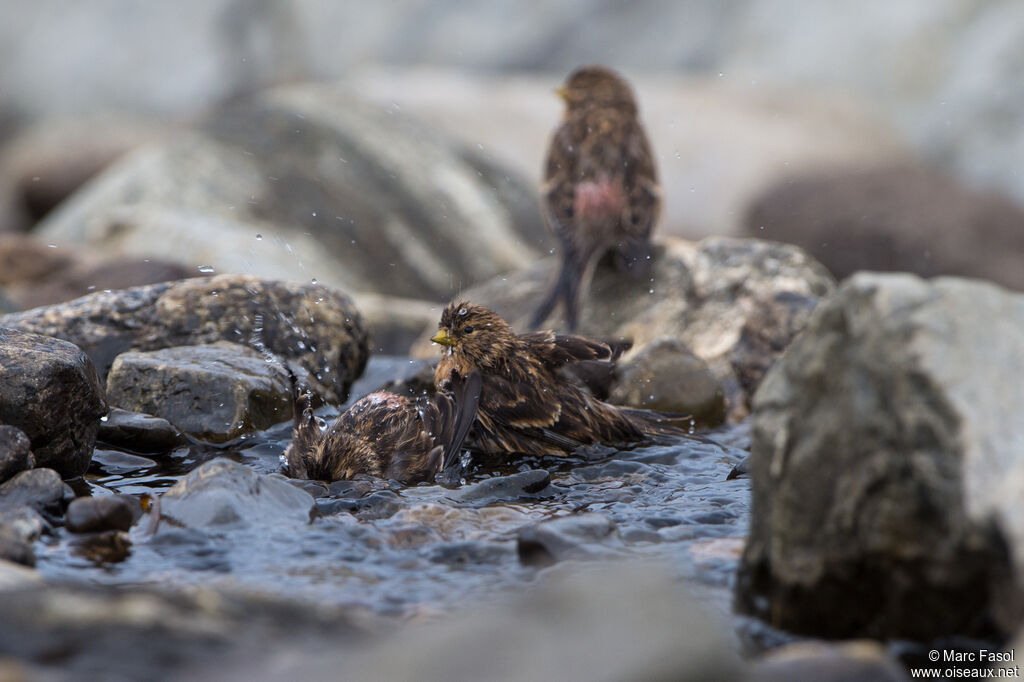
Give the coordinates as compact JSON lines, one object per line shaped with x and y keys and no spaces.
{"x":895,"y":218}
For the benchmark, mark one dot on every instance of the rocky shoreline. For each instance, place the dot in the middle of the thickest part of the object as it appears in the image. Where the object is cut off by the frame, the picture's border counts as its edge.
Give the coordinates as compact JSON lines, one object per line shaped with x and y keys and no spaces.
{"x":865,"y":487}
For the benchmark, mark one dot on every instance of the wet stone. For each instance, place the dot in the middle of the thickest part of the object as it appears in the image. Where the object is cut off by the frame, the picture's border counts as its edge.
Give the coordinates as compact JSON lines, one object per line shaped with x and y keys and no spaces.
{"x":116,"y":462}
{"x":94,"y":514}
{"x":52,"y":393}
{"x":222,"y":493}
{"x":856,"y":661}
{"x":20,"y":527}
{"x":37,"y":488}
{"x":581,"y":536}
{"x":505,"y":488}
{"x":379,"y":505}
{"x":15,"y":452}
{"x":666,"y":376}
{"x":214,"y":392}
{"x":139,"y":432}
{"x":472,"y":553}
{"x":16,"y":549}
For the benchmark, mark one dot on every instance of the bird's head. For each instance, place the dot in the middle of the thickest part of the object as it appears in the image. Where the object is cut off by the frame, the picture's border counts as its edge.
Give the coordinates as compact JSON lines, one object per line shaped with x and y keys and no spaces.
{"x":474,"y":333}
{"x":596,"y":86}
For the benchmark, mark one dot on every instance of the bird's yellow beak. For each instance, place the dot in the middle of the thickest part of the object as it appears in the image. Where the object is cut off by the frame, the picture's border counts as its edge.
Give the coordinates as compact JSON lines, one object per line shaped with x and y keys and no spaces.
{"x":442,"y":338}
{"x":563,"y":92}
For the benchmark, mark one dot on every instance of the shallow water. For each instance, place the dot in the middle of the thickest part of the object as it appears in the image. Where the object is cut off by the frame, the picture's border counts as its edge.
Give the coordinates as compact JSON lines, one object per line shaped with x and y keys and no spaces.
{"x":427,"y":548}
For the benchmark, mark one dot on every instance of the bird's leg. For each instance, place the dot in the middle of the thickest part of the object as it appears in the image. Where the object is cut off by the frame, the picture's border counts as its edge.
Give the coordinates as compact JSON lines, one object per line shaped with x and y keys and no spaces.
{"x":556,"y":290}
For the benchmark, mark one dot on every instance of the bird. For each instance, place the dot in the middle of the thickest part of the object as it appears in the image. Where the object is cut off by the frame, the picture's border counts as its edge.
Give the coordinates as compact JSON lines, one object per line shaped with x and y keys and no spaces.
{"x":526,"y":404}
{"x":600,"y":191}
{"x":383,"y":434}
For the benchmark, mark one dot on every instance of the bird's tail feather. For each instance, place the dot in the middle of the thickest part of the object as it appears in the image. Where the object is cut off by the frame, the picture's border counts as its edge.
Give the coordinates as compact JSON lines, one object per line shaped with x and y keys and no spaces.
{"x":666,"y":425}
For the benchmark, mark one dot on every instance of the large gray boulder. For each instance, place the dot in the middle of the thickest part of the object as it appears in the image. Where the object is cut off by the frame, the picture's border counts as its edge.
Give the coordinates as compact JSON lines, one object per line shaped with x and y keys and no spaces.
{"x":317,"y":328}
{"x":52,"y":393}
{"x":307,"y":182}
{"x":887,"y":464}
{"x":703,"y":294}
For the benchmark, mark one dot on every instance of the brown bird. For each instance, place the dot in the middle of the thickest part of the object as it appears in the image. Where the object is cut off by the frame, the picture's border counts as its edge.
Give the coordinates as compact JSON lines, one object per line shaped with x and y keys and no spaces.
{"x":385,"y":435}
{"x":600,"y":189}
{"x":525,"y":403}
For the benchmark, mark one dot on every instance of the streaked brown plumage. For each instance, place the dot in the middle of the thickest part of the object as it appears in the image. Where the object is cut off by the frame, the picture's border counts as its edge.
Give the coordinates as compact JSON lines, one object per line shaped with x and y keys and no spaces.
{"x":383,"y":434}
{"x":526,"y":405}
{"x":600,"y":189}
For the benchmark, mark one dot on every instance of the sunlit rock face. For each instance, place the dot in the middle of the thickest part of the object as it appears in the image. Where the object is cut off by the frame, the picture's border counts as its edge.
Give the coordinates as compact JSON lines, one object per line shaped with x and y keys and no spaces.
{"x":315,"y":327}
{"x":887,"y":465}
{"x":308,"y":182}
{"x":734,"y":303}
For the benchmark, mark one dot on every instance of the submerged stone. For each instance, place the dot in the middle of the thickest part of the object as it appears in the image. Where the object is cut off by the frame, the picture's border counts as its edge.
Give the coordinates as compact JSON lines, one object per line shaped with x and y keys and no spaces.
{"x":222,"y":493}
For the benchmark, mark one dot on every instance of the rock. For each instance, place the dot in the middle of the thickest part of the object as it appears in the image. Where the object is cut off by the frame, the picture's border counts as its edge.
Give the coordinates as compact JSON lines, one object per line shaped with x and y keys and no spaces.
{"x":702,"y":294}
{"x":213,"y":392}
{"x":37,"y":273}
{"x":132,"y":633}
{"x":504,"y":488}
{"x":580,"y":536}
{"x":48,"y":161}
{"x":94,"y":274}
{"x":306,"y":181}
{"x":20,"y":527}
{"x":222,"y":493}
{"x":94,"y":514}
{"x":139,"y":432}
{"x":28,"y":260}
{"x":15,"y":452}
{"x":906,"y":218}
{"x":766,"y":333}
{"x":315,"y":327}
{"x":863,"y":661}
{"x":694,"y":121}
{"x":37,"y":488}
{"x":15,"y":577}
{"x":52,"y":394}
{"x":667,"y":377}
{"x":565,"y":626}
{"x":396,"y":324}
{"x":115,"y":462}
{"x":886,"y":465}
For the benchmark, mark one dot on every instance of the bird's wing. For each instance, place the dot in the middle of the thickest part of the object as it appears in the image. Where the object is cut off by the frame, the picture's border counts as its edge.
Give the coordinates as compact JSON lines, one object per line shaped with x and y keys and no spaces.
{"x":559,"y":190}
{"x":529,"y":401}
{"x":556,"y":350}
{"x":641,"y":182}
{"x":466,"y":394}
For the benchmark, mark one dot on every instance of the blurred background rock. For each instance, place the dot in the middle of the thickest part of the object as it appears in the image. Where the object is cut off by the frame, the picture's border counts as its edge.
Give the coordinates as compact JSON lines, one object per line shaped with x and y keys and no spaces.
{"x":743,"y":100}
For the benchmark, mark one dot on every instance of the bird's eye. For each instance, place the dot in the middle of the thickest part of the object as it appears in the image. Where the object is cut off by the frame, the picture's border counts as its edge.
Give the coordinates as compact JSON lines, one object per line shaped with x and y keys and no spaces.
{"x":467,"y":330}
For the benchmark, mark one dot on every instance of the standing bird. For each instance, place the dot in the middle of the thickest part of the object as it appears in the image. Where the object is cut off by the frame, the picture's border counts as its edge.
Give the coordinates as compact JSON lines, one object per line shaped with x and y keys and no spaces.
{"x":525,"y":404}
{"x":600,"y":189}
{"x":385,"y":435}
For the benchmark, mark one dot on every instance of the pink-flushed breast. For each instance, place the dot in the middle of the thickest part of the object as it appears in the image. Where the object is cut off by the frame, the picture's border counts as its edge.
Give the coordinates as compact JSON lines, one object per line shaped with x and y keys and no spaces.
{"x":595,"y":199}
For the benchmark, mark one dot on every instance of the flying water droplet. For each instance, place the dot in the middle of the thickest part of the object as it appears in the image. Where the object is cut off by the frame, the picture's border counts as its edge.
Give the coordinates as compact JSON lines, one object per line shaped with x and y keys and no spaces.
{"x":259,"y":237}
{"x":206,"y":269}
